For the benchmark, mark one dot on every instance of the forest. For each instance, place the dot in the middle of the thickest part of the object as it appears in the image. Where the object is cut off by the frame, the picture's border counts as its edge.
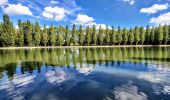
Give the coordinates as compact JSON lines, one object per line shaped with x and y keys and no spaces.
{"x":32,"y":34}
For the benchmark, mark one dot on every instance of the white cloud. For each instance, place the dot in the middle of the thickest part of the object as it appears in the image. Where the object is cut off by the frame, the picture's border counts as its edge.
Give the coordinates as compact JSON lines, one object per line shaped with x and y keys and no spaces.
{"x":83,"y":20}
{"x":17,"y":9}
{"x":88,"y":21}
{"x":54,"y":2}
{"x":55,"y":13}
{"x":131,"y":2}
{"x":3,"y":2}
{"x":154,"y":8}
{"x":162,"y":19}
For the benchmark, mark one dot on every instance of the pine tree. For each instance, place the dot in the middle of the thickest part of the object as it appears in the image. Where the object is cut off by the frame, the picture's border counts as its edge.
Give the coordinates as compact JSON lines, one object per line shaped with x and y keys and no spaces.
{"x":131,"y":37}
{"x":44,"y":36}
{"x":125,"y":36}
{"x":60,"y":38}
{"x":147,"y":38}
{"x":67,"y":36}
{"x":7,"y":36}
{"x":165,"y":34}
{"x":94,"y":35}
{"x":52,"y":36}
{"x":107,"y":35}
{"x":81,"y":37}
{"x":28,"y":33}
{"x":119,"y":36}
{"x":160,"y":34}
{"x":20,"y":34}
{"x":142,"y":35}
{"x":37,"y":34}
{"x":136,"y":33}
{"x":100,"y":36}
{"x":153,"y":35}
{"x":113,"y":36}
{"x":88,"y":35}
{"x":73,"y":38}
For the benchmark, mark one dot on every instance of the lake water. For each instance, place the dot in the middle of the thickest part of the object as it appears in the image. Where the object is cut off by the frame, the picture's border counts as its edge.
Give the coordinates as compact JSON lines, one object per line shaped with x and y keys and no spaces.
{"x":85,"y":74}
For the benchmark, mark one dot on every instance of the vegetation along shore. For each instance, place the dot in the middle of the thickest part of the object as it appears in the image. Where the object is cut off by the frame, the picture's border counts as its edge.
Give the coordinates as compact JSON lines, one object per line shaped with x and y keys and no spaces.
{"x":32,"y":35}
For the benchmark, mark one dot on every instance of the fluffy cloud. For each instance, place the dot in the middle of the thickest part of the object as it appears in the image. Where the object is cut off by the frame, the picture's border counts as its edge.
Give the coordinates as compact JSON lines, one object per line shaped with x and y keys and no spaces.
{"x":55,"y":13}
{"x":154,"y":8}
{"x":162,"y":19}
{"x":83,"y":20}
{"x":88,"y":21}
{"x":3,"y":2}
{"x":131,"y":2}
{"x":17,"y":9}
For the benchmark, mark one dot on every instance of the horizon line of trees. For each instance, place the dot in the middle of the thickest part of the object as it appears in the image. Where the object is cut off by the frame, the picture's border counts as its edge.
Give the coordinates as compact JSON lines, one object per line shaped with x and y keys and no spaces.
{"x":29,"y":34}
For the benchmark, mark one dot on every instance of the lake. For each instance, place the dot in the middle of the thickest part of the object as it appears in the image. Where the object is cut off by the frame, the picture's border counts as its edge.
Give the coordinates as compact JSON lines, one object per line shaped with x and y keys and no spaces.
{"x":85,"y":74}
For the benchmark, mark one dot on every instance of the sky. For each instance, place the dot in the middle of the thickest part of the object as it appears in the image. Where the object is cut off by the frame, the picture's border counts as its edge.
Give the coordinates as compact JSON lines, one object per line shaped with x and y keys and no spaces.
{"x":124,"y":13}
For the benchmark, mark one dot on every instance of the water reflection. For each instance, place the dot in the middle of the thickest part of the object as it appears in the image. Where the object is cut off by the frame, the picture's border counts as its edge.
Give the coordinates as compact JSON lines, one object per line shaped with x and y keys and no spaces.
{"x":121,"y":74}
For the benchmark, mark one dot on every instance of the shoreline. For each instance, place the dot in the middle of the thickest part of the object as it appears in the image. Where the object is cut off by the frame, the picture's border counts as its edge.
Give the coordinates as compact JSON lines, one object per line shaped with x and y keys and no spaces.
{"x":107,"y":46}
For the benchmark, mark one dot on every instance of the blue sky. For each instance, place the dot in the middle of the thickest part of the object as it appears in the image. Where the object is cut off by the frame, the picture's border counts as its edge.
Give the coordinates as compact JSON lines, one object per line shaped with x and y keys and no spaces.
{"x":124,"y":13}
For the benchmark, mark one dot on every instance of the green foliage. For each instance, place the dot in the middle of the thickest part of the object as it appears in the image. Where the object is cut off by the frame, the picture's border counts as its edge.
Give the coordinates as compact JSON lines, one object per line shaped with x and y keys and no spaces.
{"x":81,"y":36}
{"x":147,"y":38}
{"x":74,"y":38}
{"x":60,"y":38}
{"x":165,"y":34}
{"x":7,"y":35}
{"x":88,"y":35}
{"x":119,"y":36}
{"x":20,"y":40}
{"x":125,"y":36}
{"x":142,"y":35}
{"x":137,"y":36}
{"x":37,"y":34}
{"x":113,"y":36}
{"x":44,"y":36}
{"x":94,"y":36}
{"x":67,"y":36}
{"x":107,"y":35}
{"x":28,"y":33}
{"x":152,"y":35}
{"x":101,"y":36}
{"x":52,"y":36}
{"x":160,"y":34}
{"x":131,"y":37}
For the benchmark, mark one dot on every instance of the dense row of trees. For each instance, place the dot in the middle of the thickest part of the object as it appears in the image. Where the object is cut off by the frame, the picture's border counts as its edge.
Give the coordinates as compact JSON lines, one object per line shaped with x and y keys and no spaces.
{"x":29,"y":34}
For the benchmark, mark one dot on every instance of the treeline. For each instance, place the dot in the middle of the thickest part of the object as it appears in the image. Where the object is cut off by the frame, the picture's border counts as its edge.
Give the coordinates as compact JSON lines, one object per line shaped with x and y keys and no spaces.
{"x":29,"y":34}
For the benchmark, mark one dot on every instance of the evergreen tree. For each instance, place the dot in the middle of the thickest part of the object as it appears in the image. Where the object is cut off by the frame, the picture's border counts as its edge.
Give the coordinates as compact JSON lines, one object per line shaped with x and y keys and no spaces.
{"x":107,"y":35}
{"x":100,"y":36}
{"x":28,"y":33}
{"x":113,"y":36}
{"x":37,"y":34}
{"x":137,"y":38}
{"x":52,"y":36}
{"x":81,"y":37}
{"x":20,"y":40}
{"x":160,"y":34}
{"x":165,"y":34}
{"x":73,"y":38}
{"x":147,"y":38}
{"x":94,"y":35}
{"x":153,"y":35}
{"x":125,"y":36}
{"x":131,"y":37}
{"x":44,"y":36}
{"x":7,"y":36}
{"x":88,"y":35}
{"x":119,"y":36}
{"x":67,"y":36}
{"x":142,"y":35}
{"x":60,"y":38}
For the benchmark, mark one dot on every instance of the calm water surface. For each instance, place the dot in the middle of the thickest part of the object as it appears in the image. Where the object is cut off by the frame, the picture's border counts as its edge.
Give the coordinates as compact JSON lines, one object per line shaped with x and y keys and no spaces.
{"x":85,"y":74}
